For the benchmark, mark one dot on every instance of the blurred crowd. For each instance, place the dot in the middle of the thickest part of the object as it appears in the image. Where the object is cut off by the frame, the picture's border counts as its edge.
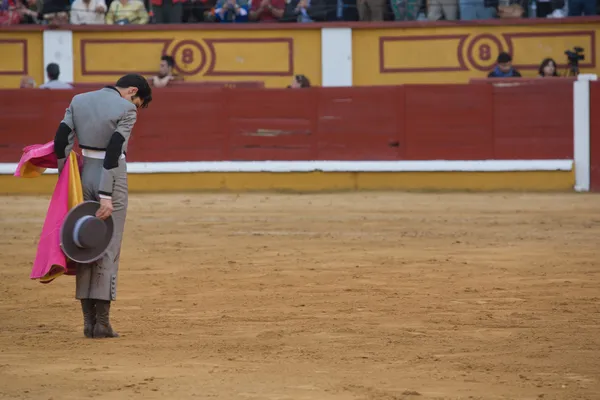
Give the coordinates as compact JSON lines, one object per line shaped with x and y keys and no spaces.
{"x":164,"y":77}
{"x":59,"y":12}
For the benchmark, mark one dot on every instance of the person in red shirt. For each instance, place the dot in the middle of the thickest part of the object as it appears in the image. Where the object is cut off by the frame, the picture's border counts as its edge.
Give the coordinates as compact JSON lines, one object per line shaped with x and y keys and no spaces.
{"x":267,"y":10}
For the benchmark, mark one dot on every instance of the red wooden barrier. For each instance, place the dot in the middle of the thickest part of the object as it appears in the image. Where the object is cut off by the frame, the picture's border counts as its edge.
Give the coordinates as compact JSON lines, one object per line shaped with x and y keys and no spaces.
{"x":414,"y":122}
{"x":595,"y":136}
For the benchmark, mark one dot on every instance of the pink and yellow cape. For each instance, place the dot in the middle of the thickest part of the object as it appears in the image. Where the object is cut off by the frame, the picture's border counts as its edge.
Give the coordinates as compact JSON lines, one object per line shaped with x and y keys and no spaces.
{"x":50,"y":262}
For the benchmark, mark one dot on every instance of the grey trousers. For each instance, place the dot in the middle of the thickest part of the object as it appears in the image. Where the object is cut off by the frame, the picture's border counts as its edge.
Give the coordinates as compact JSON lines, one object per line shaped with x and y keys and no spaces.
{"x":98,"y":280}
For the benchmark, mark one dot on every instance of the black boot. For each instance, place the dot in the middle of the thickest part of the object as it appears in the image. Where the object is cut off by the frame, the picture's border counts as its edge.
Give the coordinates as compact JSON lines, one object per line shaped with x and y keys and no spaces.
{"x":89,"y":316}
{"x":102,"y":329}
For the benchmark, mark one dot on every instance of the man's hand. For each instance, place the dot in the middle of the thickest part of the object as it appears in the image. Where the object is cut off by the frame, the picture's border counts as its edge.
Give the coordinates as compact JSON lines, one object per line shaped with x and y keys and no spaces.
{"x":100,"y":9}
{"x":105,"y":210}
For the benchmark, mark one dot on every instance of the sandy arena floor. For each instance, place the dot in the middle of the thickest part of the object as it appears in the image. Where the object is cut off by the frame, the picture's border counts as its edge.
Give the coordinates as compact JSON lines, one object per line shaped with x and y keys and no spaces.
{"x":320,"y":297}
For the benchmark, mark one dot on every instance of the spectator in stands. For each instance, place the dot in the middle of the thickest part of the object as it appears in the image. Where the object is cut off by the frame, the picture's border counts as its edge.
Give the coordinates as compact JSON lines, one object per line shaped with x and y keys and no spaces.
{"x":88,"y":12}
{"x":297,"y":11}
{"x":165,"y":73}
{"x":53,"y":72}
{"x":548,"y":68}
{"x":371,"y":10}
{"x":545,"y":8}
{"x":27,"y":82}
{"x":332,"y":10}
{"x":582,"y":7}
{"x":299,"y":81}
{"x":56,"y":12}
{"x":123,"y":12}
{"x":167,"y":11}
{"x":198,"y":10}
{"x":267,"y":10}
{"x":9,"y":14}
{"x":504,"y":68}
{"x":476,"y":9}
{"x":232,"y":11}
{"x":30,"y":11}
{"x":406,"y":10}
{"x":446,"y":8}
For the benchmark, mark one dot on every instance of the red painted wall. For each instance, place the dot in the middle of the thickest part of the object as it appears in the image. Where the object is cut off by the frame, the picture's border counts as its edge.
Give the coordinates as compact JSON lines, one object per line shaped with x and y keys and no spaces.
{"x":413,"y":122}
{"x":595,"y":136}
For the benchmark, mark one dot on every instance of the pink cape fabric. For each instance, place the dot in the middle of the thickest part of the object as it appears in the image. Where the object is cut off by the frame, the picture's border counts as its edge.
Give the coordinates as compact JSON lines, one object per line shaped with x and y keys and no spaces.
{"x":50,"y":262}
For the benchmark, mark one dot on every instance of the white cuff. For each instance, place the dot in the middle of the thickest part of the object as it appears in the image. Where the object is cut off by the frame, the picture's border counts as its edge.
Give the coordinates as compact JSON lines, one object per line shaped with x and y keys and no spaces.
{"x":105,"y":197}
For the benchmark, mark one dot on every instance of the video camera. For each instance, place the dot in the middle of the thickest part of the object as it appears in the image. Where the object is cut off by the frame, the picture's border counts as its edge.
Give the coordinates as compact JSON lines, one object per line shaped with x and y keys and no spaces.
{"x":575,"y":56}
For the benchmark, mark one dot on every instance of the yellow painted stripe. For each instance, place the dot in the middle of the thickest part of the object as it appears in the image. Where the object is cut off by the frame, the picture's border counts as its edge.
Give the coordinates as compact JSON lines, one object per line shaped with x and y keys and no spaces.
{"x":319,"y":181}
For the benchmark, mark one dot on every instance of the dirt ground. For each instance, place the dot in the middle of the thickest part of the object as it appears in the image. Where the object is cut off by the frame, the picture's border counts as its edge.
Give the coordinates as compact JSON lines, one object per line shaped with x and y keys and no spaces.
{"x":378,"y":296}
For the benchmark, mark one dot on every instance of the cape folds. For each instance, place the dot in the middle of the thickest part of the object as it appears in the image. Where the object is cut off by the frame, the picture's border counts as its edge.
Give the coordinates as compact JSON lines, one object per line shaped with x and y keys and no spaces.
{"x":50,"y":261}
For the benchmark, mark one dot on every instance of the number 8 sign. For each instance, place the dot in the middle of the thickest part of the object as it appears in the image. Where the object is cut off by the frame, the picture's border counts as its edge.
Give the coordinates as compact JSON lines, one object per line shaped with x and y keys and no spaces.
{"x":189,"y":56}
{"x":483,"y":51}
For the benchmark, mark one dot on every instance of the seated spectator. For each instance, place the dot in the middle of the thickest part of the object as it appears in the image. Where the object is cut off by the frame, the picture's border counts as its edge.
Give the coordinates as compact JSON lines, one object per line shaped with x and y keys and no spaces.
{"x":297,"y":11}
{"x":56,"y":12}
{"x":476,"y":9}
{"x":446,"y":8}
{"x":198,"y":11}
{"x":578,"y":8}
{"x":30,"y":11}
{"x":548,"y":7}
{"x":88,"y":12}
{"x":232,"y":11}
{"x":267,"y":10}
{"x":406,"y":10}
{"x":9,"y":14}
{"x":299,"y":81}
{"x":327,"y":10}
{"x":548,"y":68}
{"x":123,"y":12}
{"x":27,"y":82}
{"x":167,"y":11}
{"x":165,"y":72}
{"x":53,"y":72}
{"x":504,"y":68}
{"x":371,"y":10}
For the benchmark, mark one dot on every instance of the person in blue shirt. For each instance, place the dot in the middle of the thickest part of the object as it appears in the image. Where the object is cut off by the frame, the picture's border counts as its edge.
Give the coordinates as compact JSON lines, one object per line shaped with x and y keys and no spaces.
{"x":504,"y":68}
{"x":232,"y":11}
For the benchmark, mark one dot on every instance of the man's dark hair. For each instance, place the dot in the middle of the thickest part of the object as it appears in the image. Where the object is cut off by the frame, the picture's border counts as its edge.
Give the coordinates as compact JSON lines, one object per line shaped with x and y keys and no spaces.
{"x":503,"y":58}
{"x":170,"y":60}
{"x":302,"y":80}
{"x":53,"y":71}
{"x":135,"y":80}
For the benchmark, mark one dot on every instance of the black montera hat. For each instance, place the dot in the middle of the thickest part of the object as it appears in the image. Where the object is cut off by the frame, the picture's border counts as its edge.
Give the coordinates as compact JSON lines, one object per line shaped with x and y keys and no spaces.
{"x":84,"y":238}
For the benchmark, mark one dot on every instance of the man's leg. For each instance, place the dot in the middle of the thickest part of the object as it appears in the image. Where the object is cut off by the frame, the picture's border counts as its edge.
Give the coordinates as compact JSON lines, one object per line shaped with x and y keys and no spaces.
{"x":159,"y":14}
{"x":83,"y":274}
{"x":450,"y":9}
{"x":176,"y":13}
{"x":589,"y":7}
{"x":363,"y":10}
{"x":378,"y":9}
{"x":104,"y":279}
{"x":434,"y":12}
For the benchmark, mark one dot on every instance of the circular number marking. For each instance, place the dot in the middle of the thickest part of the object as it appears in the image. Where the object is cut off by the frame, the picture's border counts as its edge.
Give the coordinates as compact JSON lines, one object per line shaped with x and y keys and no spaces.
{"x":189,"y":56}
{"x":483,"y":51}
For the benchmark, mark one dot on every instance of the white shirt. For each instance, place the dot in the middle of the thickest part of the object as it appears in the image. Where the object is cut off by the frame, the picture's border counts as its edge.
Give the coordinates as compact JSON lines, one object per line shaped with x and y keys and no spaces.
{"x":56,"y":85}
{"x":82,"y":13}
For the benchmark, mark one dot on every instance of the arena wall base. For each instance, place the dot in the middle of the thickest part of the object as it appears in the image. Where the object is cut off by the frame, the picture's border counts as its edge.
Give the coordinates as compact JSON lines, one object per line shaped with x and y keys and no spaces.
{"x":311,"y":182}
